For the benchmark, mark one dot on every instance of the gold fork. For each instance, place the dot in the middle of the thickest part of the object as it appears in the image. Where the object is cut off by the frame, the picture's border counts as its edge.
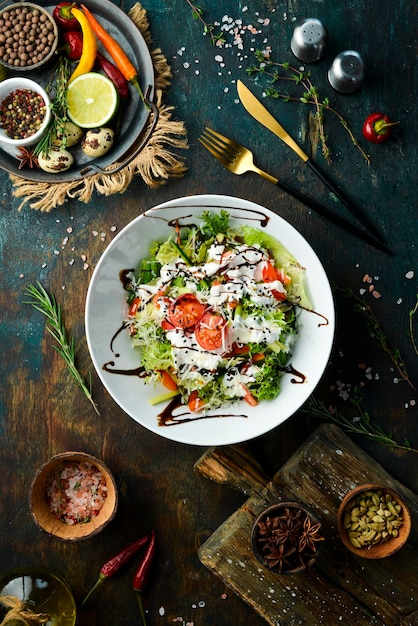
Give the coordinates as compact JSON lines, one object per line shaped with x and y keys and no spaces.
{"x":239,"y":160}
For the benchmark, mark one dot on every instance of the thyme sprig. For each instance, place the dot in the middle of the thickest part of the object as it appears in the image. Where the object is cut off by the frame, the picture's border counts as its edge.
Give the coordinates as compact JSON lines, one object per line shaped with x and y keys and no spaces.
{"x":302,"y":78}
{"x":208,"y":29}
{"x":361,"y":424}
{"x":48,"y":306}
{"x":362,"y":307}
{"x":58,"y":107}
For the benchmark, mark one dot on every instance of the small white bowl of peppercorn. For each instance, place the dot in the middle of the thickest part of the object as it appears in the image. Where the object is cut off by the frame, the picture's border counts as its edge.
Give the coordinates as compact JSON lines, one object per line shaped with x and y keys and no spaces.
{"x":28,"y":36}
{"x":24,"y":112}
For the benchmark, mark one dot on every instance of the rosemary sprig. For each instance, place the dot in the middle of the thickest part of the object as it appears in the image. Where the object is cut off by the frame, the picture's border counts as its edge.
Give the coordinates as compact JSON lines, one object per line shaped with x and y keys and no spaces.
{"x":208,"y":29}
{"x":58,"y":106}
{"x":361,"y":306}
{"x":285,"y":72}
{"x":47,"y":305}
{"x":358,"y":425}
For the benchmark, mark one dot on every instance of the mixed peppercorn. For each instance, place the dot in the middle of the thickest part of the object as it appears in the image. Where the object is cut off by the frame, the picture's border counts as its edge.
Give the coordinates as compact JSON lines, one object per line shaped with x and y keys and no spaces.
{"x":22,"y":113}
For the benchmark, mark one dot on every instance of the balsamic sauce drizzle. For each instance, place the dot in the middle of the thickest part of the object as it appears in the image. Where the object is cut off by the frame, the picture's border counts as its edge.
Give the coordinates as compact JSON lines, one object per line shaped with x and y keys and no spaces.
{"x":167,"y":417}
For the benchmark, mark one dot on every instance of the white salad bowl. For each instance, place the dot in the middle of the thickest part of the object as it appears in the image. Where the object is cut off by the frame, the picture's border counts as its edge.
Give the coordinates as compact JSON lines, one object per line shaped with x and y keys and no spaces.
{"x":106,"y":311}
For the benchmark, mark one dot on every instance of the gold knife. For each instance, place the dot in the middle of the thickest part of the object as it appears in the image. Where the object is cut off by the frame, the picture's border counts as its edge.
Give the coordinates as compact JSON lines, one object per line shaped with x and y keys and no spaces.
{"x":264,"y":117}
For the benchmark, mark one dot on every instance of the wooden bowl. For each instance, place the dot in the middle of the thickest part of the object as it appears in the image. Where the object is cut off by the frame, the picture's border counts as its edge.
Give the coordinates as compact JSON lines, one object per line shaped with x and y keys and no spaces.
{"x":294,"y":565}
{"x":44,"y":58}
{"x":383,"y":548}
{"x":48,"y":521}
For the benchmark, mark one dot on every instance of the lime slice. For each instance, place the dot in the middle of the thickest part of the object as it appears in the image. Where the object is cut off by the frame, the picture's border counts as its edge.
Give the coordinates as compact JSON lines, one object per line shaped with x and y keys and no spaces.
{"x":92,"y":100}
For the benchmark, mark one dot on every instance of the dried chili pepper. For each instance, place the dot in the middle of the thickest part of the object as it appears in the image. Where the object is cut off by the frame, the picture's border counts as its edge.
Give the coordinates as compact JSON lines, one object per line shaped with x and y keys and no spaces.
{"x":112,"y":567}
{"x":143,"y":572}
{"x":118,"y":55}
{"x":114,"y":74}
{"x":88,"y":54}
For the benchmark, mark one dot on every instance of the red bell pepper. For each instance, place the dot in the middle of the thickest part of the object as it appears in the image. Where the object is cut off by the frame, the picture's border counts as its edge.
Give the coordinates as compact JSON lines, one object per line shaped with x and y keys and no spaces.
{"x":73,"y":46}
{"x":63,"y":16}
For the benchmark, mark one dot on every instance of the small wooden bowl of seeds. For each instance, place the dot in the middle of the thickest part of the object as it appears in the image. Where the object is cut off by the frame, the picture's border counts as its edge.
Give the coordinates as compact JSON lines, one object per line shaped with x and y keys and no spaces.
{"x":73,"y":496}
{"x":28,"y":36}
{"x":373,"y":521}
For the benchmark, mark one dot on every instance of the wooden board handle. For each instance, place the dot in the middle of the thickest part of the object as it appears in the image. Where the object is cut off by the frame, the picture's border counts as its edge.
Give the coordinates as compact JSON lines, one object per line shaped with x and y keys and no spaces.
{"x":233,"y":466}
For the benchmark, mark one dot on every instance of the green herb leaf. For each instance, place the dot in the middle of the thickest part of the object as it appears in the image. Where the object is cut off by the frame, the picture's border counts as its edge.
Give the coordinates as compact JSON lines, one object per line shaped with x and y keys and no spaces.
{"x":47,"y":305}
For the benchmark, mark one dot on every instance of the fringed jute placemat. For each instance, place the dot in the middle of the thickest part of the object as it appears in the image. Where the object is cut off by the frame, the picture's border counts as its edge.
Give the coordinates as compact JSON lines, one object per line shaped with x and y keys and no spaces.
{"x":155,"y":164}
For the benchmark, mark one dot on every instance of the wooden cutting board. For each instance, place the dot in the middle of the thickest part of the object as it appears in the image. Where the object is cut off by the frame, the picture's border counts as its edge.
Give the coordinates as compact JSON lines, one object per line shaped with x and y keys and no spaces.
{"x":340,"y":588}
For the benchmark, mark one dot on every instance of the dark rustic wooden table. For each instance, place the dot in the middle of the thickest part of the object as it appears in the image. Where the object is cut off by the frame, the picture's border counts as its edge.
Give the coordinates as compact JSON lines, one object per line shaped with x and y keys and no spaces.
{"x":43,"y":413}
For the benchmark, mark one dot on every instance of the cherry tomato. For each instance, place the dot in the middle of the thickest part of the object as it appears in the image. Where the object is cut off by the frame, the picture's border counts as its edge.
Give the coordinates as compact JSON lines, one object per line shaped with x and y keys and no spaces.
{"x":185,"y":311}
{"x":377,"y":128}
{"x":209,"y":331}
{"x":195,"y":403}
{"x":271,"y":273}
{"x":167,"y":380}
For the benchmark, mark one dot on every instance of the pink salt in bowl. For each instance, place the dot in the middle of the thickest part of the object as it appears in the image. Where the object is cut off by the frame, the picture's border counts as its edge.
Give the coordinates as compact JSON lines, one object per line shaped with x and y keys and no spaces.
{"x":73,"y":496}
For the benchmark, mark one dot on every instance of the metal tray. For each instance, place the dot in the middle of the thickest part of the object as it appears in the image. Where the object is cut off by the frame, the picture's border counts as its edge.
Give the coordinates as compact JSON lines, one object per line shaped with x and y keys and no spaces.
{"x":137,"y":120}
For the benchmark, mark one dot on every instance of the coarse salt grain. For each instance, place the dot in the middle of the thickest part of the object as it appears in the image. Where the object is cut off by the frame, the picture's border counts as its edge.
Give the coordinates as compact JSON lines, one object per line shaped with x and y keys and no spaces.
{"x":76,"y":492}
{"x":409,"y":275}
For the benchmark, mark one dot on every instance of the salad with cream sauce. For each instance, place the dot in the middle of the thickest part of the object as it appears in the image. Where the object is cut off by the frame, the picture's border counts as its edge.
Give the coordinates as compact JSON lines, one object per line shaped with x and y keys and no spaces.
{"x":213,"y":311}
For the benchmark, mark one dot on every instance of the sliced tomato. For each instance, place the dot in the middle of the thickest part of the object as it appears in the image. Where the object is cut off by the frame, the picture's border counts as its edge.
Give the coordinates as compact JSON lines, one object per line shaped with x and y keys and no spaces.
{"x":134,"y":306}
{"x":195,"y":403}
{"x":271,"y":273}
{"x":167,"y":380}
{"x":240,"y":348}
{"x":166,"y":325}
{"x":156,"y":300}
{"x":209,"y":331}
{"x":248,"y":396}
{"x":185,"y":311}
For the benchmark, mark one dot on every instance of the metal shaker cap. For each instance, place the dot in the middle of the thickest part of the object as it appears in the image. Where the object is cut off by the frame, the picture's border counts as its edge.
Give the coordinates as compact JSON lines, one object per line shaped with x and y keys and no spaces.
{"x":308,"y":40}
{"x":347,"y":71}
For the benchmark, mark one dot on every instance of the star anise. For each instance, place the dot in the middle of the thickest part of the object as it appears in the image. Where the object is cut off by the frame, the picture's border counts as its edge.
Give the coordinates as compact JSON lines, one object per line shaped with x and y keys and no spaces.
{"x":288,"y":540}
{"x":27,"y":158}
{"x":310,"y":536}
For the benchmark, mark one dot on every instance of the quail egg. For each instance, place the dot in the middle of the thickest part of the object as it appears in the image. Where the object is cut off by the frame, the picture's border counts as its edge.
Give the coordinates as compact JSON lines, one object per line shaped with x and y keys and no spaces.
{"x":69,"y":136}
{"x":97,"y":142}
{"x":55,"y":161}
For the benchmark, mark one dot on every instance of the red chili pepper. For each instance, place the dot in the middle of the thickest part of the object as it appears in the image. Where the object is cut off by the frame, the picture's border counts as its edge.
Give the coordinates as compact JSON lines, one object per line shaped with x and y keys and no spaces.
{"x":73,"y":46}
{"x":63,"y":16}
{"x":143,"y":572}
{"x":377,"y":128}
{"x":110,"y":568}
{"x":114,"y":74}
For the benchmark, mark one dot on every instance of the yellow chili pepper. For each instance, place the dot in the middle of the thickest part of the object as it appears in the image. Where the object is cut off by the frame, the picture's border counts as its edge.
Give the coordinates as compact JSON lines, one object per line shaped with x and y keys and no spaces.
{"x":88,"y":54}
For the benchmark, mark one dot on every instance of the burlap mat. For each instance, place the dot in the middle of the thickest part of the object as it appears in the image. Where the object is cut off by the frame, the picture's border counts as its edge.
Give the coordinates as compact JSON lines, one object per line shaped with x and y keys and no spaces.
{"x":155,"y":164}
